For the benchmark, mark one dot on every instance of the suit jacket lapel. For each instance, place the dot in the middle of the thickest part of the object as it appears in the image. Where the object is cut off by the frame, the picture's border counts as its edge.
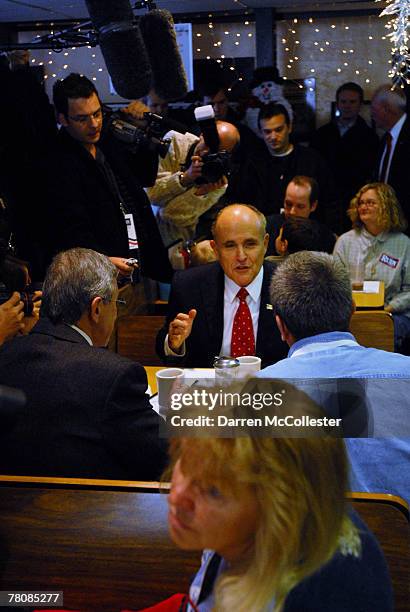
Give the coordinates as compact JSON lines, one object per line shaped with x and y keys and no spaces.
{"x":213,"y":300}
{"x":266,"y":318}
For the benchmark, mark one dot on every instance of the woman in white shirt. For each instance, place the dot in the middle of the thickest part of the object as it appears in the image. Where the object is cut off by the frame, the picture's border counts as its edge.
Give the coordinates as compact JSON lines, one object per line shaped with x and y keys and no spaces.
{"x":377,"y":239}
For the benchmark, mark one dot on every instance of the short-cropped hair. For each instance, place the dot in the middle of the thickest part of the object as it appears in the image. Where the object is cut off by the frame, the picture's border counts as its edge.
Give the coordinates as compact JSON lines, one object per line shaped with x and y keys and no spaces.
{"x":307,"y":181}
{"x":74,"y":86}
{"x":305,"y":235}
{"x":312,"y":294}
{"x":350,"y":86}
{"x":272,"y":109}
{"x":73,"y":280}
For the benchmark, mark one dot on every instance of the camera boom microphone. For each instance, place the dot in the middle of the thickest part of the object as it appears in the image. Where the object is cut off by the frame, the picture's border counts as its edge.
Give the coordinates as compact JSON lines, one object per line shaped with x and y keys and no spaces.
{"x":205,"y":118}
{"x":157,"y":28}
{"x":122,"y":47}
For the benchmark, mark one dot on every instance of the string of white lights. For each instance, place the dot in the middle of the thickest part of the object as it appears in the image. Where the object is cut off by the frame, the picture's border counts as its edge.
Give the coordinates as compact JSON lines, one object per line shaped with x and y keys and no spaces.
{"x":398,"y":12}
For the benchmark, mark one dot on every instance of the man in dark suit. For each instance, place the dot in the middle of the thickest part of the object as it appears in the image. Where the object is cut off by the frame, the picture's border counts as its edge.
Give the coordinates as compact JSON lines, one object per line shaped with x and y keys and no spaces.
{"x":392,"y":167}
{"x":87,"y":412}
{"x":204,"y":304}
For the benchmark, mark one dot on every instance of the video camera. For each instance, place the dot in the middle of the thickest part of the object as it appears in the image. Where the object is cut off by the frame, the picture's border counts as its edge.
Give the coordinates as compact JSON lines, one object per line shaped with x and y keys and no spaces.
{"x":216,"y":164}
{"x":145,"y":131}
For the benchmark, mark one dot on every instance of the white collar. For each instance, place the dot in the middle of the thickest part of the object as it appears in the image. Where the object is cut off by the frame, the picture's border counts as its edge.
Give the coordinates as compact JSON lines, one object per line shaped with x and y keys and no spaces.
{"x":82,"y":333}
{"x":254,"y":288}
{"x":395,"y":130}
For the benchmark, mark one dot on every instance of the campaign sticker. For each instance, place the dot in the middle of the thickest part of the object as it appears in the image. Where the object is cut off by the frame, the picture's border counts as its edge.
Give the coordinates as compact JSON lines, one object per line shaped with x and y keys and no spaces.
{"x":392,"y":262}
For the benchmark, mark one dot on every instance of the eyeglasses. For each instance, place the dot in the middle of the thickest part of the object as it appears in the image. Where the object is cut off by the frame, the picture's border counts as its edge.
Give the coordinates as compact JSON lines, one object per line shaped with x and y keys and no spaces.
{"x":84,"y":118}
{"x":370,"y":203}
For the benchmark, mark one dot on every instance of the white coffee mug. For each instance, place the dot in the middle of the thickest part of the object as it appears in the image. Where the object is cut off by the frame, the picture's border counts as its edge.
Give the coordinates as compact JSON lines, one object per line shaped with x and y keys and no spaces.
{"x":166,"y":383}
{"x":248,"y":365}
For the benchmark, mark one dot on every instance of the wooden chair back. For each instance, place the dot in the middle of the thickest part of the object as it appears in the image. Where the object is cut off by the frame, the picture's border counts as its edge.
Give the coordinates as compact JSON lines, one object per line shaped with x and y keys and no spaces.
{"x":136,"y":338}
{"x":388,"y":518}
{"x":107,"y":549}
{"x":106,"y":543}
{"x":373,"y":328}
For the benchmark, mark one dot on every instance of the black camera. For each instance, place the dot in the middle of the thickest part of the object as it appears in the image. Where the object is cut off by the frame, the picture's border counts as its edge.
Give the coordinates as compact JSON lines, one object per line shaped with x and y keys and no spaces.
{"x":14,"y":276}
{"x":147,"y":131}
{"x":216,"y":165}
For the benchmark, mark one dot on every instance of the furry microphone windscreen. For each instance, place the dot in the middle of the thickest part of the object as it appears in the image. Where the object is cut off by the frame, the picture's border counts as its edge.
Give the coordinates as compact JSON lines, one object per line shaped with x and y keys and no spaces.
{"x":157,"y":28}
{"x":122,"y":47}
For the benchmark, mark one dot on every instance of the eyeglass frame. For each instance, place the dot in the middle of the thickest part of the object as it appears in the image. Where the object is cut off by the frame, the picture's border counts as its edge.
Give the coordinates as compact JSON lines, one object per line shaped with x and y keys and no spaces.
{"x":82,"y":119}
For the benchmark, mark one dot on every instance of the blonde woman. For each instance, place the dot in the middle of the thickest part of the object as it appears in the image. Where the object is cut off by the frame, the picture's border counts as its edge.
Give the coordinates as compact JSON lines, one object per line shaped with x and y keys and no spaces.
{"x":272,"y":518}
{"x":377,"y":239}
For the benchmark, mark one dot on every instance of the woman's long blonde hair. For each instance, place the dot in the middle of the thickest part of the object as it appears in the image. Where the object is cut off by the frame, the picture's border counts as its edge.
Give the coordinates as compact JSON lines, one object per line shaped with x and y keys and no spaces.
{"x":390,"y":217}
{"x":300,"y":486}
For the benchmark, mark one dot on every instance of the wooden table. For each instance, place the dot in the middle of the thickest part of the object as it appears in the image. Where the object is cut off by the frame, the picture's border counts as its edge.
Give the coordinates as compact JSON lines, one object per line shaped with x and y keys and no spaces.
{"x":364,"y":299}
{"x":152,"y":381}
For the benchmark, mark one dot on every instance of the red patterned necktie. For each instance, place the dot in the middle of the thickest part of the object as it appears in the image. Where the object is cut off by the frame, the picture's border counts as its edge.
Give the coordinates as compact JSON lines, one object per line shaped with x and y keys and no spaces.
{"x":243,"y":340}
{"x":383,"y":173}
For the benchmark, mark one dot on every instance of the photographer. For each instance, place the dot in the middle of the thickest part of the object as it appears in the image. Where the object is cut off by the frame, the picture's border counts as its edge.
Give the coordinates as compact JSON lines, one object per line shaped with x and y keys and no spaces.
{"x":19,"y":306}
{"x":182,"y":190}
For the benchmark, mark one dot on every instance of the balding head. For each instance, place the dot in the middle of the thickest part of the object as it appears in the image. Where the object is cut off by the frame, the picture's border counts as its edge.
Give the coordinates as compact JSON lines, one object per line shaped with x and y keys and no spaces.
{"x":228,"y":139}
{"x":387,"y":106}
{"x":240,"y":242}
{"x":228,"y":136}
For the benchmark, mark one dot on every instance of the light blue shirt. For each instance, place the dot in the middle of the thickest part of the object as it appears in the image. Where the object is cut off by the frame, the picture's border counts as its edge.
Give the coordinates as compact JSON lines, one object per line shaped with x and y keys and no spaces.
{"x":380,"y":464}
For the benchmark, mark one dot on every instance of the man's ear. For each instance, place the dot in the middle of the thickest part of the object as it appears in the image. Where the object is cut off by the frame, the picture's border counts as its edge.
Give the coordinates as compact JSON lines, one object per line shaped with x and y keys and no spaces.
{"x":214,"y":248}
{"x":281,"y":246}
{"x":61,"y":119}
{"x":95,"y":309}
{"x":283,"y":330}
{"x":313,"y":206}
{"x":290,"y":127}
{"x":266,"y":242}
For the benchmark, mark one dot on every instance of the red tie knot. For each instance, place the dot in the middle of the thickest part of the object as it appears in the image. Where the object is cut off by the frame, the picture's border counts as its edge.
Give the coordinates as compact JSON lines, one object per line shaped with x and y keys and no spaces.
{"x":242,"y":293}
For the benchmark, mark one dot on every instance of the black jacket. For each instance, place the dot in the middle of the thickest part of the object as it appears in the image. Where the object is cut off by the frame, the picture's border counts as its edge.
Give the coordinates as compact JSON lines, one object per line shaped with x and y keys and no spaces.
{"x":87,"y":412}
{"x":399,"y":168}
{"x":263,"y":179}
{"x":202,"y":288}
{"x":351,"y":158}
{"x":80,"y":208}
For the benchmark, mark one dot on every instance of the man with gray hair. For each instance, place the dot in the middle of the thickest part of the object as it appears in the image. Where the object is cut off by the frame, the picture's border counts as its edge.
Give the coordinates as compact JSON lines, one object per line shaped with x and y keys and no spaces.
{"x":389,"y":113}
{"x":312,"y":301}
{"x":87,"y":413}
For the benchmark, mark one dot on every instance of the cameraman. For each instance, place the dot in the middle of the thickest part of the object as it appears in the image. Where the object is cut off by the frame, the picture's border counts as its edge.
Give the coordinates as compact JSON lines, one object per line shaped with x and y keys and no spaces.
{"x":180,"y":199}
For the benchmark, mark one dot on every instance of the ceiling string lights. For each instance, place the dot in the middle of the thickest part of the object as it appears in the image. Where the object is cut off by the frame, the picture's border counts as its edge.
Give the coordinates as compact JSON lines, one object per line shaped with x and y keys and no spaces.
{"x":398,"y":12}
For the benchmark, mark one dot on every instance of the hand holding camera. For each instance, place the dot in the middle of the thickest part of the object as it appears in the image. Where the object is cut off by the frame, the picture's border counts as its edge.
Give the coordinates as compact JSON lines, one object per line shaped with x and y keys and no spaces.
{"x":205,"y":188}
{"x":11,"y":317}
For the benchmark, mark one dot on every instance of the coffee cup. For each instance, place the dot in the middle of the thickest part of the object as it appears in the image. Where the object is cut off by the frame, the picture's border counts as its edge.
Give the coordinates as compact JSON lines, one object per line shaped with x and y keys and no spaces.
{"x":249,"y":365}
{"x":167,"y":381}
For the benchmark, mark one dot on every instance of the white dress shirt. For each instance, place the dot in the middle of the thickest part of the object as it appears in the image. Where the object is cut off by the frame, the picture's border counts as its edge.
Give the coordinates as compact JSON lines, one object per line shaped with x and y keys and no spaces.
{"x":231,"y":303}
{"x":82,"y":333}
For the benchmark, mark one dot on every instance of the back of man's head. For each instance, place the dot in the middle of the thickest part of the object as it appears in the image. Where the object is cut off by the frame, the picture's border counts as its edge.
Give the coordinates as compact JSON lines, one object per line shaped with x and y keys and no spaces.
{"x":311,"y":293}
{"x":74,"y":86}
{"x":73,"y":280}
{"x":304,"y":235}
